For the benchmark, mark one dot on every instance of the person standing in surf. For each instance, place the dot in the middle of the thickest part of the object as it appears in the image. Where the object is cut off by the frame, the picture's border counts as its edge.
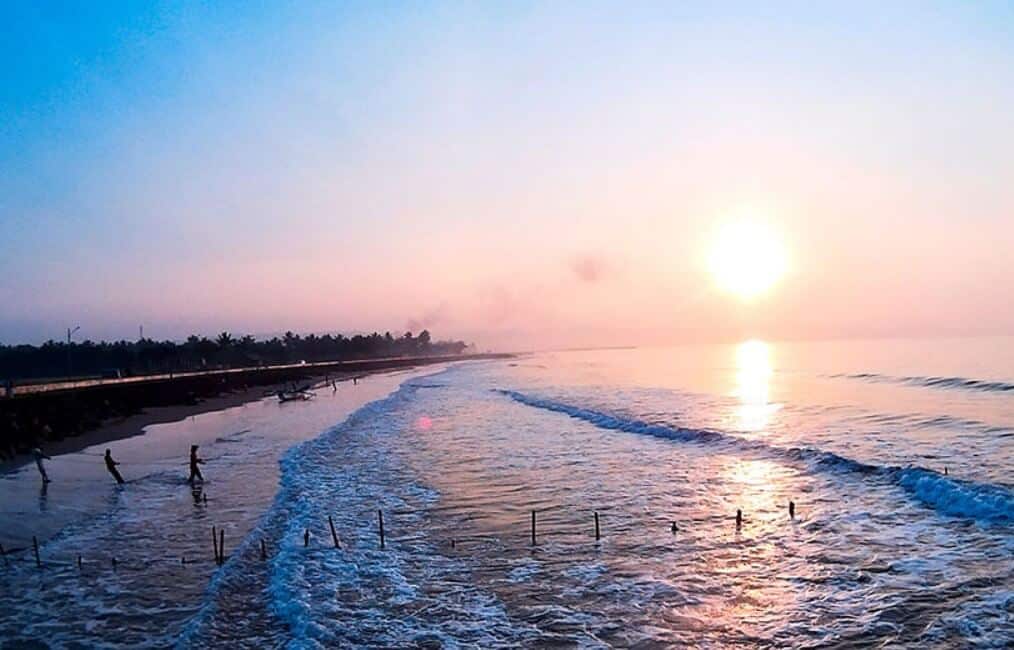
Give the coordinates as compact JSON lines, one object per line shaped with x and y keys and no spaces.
{"x":195,"y":471}
{"x":39,"y":456}
{"x":111,"y":466}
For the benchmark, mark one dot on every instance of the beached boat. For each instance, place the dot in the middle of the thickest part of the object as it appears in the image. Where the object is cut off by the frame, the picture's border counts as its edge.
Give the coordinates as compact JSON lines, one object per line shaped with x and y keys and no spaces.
{"x":294,"y":396}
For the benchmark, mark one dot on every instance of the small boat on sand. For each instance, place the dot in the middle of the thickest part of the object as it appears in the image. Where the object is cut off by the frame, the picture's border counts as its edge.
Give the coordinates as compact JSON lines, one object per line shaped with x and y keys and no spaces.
{"x":296,"y":395}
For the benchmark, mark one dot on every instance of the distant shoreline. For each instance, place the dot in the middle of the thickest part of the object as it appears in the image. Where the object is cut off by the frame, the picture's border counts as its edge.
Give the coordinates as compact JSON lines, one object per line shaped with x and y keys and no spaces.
{"x":66,"y":418}
{"x":134,"y":425}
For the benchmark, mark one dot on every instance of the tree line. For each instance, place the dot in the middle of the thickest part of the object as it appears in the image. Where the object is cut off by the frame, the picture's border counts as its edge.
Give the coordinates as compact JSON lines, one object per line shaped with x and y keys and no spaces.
{"x":147,"y":356}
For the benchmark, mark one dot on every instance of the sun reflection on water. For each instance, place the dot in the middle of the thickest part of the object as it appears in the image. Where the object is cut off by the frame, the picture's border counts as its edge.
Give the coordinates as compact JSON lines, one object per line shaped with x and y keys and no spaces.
{"x":753,"y":380}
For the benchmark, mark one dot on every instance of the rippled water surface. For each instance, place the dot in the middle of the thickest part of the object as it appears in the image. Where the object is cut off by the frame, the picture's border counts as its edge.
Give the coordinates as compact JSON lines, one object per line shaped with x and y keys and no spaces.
{"x":898,"y":457}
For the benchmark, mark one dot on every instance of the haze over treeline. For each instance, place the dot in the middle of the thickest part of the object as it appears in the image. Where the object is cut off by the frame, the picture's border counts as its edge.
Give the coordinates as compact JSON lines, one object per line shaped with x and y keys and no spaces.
{"x":52,"y":358}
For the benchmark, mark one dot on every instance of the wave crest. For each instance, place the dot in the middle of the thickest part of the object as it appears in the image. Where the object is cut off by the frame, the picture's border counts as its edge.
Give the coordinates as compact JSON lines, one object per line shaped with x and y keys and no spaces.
{"x":944,"y":383}
{"x":983,"y":502}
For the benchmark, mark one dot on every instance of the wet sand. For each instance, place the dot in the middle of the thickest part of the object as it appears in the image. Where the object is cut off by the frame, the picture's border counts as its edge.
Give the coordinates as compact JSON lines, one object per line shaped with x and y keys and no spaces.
{"x":134,"y":425}
{"x":157,"y":441}
{"x":156,"y":526}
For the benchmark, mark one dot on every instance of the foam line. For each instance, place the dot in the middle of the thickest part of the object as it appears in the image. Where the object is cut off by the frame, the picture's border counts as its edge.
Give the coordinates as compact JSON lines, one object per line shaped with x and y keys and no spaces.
{"x":983,"y":502}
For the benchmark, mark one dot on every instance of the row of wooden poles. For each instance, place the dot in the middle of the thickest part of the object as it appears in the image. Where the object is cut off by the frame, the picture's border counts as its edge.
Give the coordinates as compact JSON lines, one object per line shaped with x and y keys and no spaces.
{"x":218,"y":541}
{"x":218,"y":538}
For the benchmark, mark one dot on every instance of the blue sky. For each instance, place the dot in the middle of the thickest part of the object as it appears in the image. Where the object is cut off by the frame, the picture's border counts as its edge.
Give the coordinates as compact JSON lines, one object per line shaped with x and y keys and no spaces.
{"x":265,"y":166}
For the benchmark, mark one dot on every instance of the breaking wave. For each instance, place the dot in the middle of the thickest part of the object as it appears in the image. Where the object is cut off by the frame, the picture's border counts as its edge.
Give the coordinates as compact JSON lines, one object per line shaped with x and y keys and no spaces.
{"x":943,"y":383}
{"x":983,"y":502}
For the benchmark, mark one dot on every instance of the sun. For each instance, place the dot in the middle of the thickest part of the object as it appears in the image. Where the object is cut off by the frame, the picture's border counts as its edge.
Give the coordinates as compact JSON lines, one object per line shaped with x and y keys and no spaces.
{"x":747,"y":259}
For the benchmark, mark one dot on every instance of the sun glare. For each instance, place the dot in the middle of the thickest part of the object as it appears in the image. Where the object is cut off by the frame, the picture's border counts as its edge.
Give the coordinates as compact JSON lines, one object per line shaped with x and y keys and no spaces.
{"x":747,"y":259}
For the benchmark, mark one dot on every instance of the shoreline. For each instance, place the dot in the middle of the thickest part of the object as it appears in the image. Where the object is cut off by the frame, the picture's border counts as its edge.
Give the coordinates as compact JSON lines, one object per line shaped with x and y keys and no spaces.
{"x":242,"y":434}
{"x":64,"y":418}
{"x":129,"y":426}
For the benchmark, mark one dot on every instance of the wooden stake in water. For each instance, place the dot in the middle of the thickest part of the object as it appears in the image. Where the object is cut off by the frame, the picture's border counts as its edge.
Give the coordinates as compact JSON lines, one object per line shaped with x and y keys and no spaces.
{"x":214,"y":542}
{"x":3,"y":553}
{"x":35,"y":547}
{"x":264,"y":551}
{"x":79,"y":561}
{"x":306,"y":537}
{"x":334,"y":534}
{"x":533,"y":528}
{"x":380,"y":519}
{"x":221,"y":546}
{"x":792,"y":509}
{"x":597,"y":536}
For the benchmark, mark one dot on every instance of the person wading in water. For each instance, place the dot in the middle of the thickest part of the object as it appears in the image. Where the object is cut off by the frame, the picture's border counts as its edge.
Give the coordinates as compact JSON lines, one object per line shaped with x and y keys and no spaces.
{"x":39,"y":456}
{"x":111,"y":466}
{"x":195,"y":471}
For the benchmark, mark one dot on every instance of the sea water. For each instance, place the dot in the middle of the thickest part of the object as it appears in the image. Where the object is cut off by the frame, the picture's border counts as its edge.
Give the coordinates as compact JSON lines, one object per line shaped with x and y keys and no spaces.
{"x":897,"y":456}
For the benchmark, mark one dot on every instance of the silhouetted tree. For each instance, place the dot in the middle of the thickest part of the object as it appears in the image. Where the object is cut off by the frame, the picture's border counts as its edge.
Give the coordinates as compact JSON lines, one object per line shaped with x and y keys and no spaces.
{"x":147,"y":355}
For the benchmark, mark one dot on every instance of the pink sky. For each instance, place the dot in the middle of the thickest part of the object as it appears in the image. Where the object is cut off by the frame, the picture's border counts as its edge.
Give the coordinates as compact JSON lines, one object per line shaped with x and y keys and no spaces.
{"x":522,"y":179}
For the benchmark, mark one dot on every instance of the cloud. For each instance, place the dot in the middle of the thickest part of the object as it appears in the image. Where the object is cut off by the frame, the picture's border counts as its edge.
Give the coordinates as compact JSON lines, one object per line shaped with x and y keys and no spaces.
{"x":589,"y":268}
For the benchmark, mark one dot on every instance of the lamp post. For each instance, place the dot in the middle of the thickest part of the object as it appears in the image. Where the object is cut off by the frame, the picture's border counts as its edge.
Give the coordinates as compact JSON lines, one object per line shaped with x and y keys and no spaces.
{"x":70,"y":333}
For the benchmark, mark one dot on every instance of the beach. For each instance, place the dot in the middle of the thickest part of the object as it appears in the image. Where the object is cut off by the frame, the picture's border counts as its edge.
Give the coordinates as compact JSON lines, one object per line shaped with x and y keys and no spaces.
{"x":150,"y":524}
{"x":134,"y":425}
{"x":54,"y":413}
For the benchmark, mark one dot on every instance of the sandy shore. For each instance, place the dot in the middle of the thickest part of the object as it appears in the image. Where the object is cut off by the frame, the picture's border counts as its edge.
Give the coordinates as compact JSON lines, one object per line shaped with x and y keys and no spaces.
{"x":152,"y":448}
{"x":134,"y":425}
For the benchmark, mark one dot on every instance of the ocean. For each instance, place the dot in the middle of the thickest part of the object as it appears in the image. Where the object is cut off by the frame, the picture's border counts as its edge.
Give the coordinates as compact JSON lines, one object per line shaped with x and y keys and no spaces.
{"x":897,"y":456}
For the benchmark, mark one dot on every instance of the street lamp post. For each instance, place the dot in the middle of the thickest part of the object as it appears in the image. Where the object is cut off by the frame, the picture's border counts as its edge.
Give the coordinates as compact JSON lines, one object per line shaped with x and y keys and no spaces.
{"x":70,"y":333}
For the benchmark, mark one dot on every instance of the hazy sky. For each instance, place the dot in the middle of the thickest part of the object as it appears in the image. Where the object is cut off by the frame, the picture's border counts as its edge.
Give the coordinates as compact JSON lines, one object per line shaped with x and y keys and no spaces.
{"x":518,"y":174}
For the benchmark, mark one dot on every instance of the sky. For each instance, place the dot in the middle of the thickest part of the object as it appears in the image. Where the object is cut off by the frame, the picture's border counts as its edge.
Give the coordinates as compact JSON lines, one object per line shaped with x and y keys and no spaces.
{"x":522,"y":175}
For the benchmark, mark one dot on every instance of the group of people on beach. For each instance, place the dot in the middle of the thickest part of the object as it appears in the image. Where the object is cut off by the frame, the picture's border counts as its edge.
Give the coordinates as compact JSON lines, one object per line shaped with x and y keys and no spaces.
{"x":111,"y":465}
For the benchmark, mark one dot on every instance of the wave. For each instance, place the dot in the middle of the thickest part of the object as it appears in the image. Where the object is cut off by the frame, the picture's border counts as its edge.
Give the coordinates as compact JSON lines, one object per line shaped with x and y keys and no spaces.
{"x":943,"y":383}
{"x":304,"y":468}
{"x":377,"y":594}
{"x":919,"y":420}
{"x":983,"y":502}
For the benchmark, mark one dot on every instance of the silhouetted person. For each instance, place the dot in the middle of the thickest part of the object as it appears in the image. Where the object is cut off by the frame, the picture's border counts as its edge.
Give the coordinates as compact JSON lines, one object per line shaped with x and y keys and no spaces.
{"x":195,"y":471}
{"x":739,"y":518}
{"x":792,"y":509}
{"x":111,"y":466}
{"x":39,"y":456}
{"x":14,"y":437}
{"x":7,"y":435}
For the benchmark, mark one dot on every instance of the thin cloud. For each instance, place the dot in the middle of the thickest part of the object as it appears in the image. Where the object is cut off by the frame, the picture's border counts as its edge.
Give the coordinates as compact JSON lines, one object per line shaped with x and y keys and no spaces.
{"x":589,"y":269}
